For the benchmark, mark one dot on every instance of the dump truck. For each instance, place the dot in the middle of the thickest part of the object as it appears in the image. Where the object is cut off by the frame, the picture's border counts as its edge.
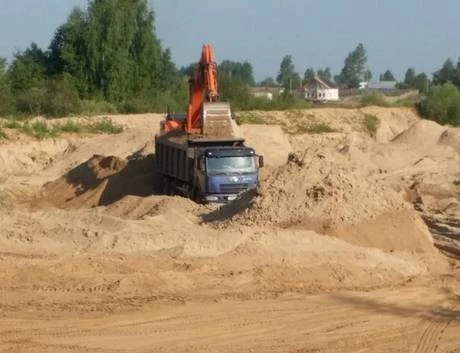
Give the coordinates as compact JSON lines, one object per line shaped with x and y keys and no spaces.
{"x":197,"y":153}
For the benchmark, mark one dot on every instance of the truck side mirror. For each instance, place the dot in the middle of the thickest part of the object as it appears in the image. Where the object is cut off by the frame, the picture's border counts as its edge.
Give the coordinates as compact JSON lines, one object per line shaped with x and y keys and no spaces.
{"x":261,"y":161}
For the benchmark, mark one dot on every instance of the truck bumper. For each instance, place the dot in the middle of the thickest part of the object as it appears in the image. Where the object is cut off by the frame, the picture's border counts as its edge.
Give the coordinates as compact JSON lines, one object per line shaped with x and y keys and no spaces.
{"x":220,"y":198}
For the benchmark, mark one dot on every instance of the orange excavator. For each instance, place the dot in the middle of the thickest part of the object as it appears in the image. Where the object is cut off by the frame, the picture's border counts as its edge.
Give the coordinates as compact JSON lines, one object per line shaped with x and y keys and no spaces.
{"x":205,"y":114}
{"x":196,"y":154}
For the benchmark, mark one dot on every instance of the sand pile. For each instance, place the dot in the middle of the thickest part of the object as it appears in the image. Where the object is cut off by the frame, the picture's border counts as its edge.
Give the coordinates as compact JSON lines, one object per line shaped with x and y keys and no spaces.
{"x":422,"y":133}
{"x":321,"y":186}
{"x":269,"y":141}
{"x":100,"y":181}
{"x":451,"y":137}
{"x":141,"y":208}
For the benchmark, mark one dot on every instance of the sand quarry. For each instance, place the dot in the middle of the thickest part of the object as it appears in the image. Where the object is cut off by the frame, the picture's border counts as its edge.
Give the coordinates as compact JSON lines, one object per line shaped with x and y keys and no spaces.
{"x":351,"y":245}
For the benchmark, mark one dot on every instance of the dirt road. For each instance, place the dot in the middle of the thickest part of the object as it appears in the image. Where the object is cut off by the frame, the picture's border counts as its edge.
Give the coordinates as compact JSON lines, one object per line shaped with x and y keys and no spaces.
{"x":413,"y":318}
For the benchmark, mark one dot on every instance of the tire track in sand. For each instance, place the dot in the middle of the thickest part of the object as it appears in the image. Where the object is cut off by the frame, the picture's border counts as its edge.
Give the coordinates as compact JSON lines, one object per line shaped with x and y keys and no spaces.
{"x":431,"y":336}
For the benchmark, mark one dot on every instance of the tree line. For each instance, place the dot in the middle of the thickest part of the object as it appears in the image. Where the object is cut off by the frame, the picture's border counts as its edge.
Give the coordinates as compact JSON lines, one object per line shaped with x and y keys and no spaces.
{"x":107,"y":58}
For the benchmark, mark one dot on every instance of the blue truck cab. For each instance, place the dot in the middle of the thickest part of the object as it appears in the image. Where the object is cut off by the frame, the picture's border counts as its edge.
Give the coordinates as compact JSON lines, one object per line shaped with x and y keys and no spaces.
{"x":224,"y":172}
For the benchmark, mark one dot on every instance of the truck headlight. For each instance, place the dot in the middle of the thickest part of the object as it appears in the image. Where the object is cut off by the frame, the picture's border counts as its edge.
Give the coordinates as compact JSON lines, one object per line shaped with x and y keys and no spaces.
{"x":212,"y":198}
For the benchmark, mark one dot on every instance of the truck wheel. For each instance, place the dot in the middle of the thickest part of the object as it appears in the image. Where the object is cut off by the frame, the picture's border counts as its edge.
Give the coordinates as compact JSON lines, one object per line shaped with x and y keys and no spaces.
{"x":196,"y":196}
{"x":166,"y":186}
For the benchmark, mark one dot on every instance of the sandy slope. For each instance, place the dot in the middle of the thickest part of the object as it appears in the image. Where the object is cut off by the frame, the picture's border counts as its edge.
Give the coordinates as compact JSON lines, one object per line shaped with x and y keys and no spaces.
{"x":330,"y":256}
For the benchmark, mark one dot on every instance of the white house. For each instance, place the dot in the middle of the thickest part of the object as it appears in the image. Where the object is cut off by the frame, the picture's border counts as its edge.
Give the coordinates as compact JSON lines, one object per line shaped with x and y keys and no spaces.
{"x":320,"y":89}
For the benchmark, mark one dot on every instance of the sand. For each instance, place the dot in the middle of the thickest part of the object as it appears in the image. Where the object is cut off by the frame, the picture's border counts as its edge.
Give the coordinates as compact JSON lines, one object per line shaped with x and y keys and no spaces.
{"x":87,"y":241}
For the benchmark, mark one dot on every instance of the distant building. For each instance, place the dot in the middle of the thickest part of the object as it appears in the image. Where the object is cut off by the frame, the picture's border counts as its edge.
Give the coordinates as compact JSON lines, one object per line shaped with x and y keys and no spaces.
{"x":320,"y":89}
{"x":265,"y":92}
{"x":363,"y":85}
{"x":382,"y":86}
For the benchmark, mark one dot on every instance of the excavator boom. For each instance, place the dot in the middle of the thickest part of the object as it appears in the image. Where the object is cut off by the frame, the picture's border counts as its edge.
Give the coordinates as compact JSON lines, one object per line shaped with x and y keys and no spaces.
{"x":205,"y":114}
{"x":203,"y":88}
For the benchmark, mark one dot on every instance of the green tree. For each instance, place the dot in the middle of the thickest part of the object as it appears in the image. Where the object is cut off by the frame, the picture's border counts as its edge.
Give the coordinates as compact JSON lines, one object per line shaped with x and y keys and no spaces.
{"x":239,"y":70}
{"x":68,"y":51}
{"x":448,"y":73}
{"x":309,"y":74}
{"x":368,"y":75}
{"x":188,"y":70}
{"x":27,"y":75}
{"x":287,"y":76}
{"x":354,"y":68}
{"x":442,"y":104}
{"x":268,"y":82}
{"x":409,"y":77}
{"x":112,"y":51}
{"x":234,"y":90}
{"x":28,"y":69}
{"x":421,"y":82}
{"x":6,"y":98}
{"x":325,"y":73}
{"x":387,"y":76}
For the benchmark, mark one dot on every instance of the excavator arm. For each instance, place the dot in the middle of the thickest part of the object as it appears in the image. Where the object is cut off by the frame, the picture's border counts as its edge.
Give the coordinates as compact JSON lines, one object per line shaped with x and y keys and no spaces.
{"x":205,"y":114}
{"x":203,"y":88}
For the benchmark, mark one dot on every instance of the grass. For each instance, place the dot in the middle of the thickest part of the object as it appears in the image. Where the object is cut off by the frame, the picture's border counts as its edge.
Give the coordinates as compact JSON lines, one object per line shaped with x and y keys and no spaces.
{"x":105,"y":126}
{"x":318,"y":128}
{"x":372,"y":123}
{"x":249,"y":118}
{"x":374,"y":98}
{"x":2,"y":134}
{"x":42,"y":129}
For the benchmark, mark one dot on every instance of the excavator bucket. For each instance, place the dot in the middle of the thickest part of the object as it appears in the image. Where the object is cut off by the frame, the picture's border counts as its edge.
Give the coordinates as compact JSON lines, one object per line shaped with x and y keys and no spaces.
{"x":217,"y":119}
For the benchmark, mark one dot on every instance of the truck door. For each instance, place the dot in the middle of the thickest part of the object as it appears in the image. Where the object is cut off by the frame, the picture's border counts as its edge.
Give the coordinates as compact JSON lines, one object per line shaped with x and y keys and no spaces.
{"x":201,"y":175}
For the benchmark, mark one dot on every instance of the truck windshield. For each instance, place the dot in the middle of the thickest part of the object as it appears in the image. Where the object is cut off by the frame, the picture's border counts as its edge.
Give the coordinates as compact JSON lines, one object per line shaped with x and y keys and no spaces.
{"x":231,"y":165}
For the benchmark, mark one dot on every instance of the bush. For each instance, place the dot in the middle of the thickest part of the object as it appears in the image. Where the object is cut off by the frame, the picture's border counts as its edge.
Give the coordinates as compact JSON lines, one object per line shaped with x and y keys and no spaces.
{"x":442,"y":104}
{"x":13,"y":124}
{"x":61,"y":97}
{"x":31,"y":101}
{"x":372,"y":123}
{"x":69,"y":127}
{"x":105,"y":126}
{"x":40,"y":130}
{"x":319,"y":128}
{"x":7,"y":103}
{"x":373,"y":98}
{"x":97,"y":107}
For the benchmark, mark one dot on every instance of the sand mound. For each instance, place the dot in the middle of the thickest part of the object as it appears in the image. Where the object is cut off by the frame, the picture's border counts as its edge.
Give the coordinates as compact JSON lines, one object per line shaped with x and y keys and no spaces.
{"x":269,"y":141}
{"x":451,"y":137}
{"x":100,"y":181}
{"x":324,"y":187}
{"x":392,"y":121}
{"x":422,"y":133}
{"x":139,"y":208}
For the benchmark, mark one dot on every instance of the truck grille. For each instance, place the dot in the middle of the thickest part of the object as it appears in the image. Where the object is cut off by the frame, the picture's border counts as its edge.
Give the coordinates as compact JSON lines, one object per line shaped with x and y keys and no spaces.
{"x":233,"y":188}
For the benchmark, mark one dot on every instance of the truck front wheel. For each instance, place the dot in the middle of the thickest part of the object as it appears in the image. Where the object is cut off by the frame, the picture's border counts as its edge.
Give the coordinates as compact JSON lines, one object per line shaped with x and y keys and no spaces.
{"x":196,"y":196}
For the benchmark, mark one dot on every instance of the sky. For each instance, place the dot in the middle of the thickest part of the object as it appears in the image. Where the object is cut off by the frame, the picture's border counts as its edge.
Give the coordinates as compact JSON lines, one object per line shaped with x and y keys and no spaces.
{"x":397,"y":34}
